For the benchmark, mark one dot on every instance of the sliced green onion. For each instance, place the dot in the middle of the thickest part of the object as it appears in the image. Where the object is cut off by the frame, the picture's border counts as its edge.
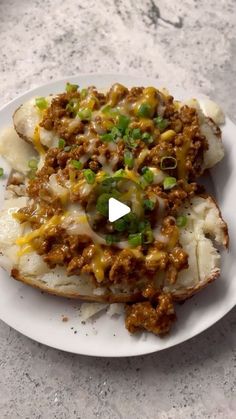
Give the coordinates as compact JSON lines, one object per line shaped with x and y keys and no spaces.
{"x":135,"y":239}
{"x":128,"y":159}
{"x":143,"y":183}
{"x":102,"y":204}
{"x":132,"y":222}
{"x":120,"y":225}
{"x":111,"y":239}
{"x":76,"y":164}
{"x":89,"y":176}
{"x":119,"y":173}
{"x":108,"y":137}
{"x":33,"y":164}
{"x":67,"y":148}
{"x":41,"y":103}
{"x":83,"y":93}
{"x":169,"y":182}
{"x":144,"y":225}
{"x":136,"y":133}
{"x":168,"y":162}
{"x":85,"y":114}
{"x":109,"y":110}
{"x":71,"y":88}
{"x":148,"y":175}
{"x":130,"y":142}
{"x":144,"y":110}
{"x":123,"y":123}
{"x":149,"y":204}
{"x":73,"y":106}
{"x":1,"y":172}
{"x":148,"y":236}
{"x":31,"y":174}
{"x":106,"y":109}
{"x":115,"y":132}
{"x":161,"y":123}
{"x":61,"y":143}
{"x":147,"y":138}
{"x":181,"y":221}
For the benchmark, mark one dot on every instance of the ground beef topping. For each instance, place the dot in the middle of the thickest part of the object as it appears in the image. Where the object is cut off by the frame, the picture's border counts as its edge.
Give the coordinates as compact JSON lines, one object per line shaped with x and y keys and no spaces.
{"x":153,"y":317}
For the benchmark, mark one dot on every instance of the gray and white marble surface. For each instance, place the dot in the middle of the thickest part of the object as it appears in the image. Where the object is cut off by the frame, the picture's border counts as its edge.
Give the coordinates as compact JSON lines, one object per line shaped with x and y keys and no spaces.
{"x":191,"y":44}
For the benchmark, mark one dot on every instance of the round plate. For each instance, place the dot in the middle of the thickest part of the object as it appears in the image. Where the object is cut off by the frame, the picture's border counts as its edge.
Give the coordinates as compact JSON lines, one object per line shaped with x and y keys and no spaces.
{"x":39,"y":316}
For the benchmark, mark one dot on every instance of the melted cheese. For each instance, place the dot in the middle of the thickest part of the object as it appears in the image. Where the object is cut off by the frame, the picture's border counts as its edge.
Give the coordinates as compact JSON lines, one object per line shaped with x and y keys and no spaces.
{"x":150,"y":97}
{"x":141,"y":157}
{"x":45,"y":228}
{"x":130,"y":174}
{"x":98,"y":264}
{"x":76,"y":223}
{"x":36,"y":141}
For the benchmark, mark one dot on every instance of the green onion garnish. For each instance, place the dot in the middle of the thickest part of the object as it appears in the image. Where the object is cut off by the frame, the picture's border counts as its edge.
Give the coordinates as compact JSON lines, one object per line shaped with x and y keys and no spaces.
{"x":147,"y":138}
{"x":109,"y":110}
{"x":123,"y":123}
{"x":169,"y":182}
{"x":111,"y":136}
{"x":106,"y":109}
{"x":85,"y":114}
{"x":132,"y":222}
{"x":181,"y":221}
{"x":115,"y":132}
{"x":120,"y":225}
{"x":119,"y":173}
{"x":136,"y":133}
{"x":83,"y":93}
{"x":161,"y":123}
{"x":1,"y":172}
{"x":168,"y":162}
{"x":76,"y":164}
{"x":71,"y":88}
{"x":148,"y":175}
{"x":128,"y":159}
{"x":41,"y":103}
{"x":148,"y":236}
{"x":149,"y":204}
{"x":102,"y":204}
{"x":108,"y":137}
{"x":144,"y":110}
{"x":111,"y":239}
{"x":73,"y":106}
{"x":67,"y":148}
{"x":31,"y":174}
{"x":130,"y":142}
{"x":143,"y":225}
{"x":61,"y":143}
{"x":33,"y":164}
{"x":89,"y":176}
{"x":135,"y":239}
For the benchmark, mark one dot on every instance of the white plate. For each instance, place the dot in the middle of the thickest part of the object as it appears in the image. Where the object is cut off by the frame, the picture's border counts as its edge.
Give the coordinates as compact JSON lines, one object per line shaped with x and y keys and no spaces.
{"x":39,"y":316}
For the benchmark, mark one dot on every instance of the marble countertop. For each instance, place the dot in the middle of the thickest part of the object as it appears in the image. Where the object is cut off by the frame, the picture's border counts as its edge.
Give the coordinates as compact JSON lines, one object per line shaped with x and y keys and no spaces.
{"x":191,"y":44}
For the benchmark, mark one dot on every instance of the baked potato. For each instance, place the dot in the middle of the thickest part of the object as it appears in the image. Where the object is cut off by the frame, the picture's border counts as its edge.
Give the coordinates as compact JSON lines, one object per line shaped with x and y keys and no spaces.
{"x":72,"y":150}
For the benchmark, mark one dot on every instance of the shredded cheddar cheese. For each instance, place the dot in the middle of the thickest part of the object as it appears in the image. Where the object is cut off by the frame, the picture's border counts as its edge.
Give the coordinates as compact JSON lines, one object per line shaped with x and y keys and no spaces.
{"x":36,"y":141}
{"x":28,"y":238}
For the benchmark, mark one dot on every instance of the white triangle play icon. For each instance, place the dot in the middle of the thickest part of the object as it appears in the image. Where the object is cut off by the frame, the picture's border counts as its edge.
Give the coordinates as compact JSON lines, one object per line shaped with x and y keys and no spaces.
{"x":116,"y":209}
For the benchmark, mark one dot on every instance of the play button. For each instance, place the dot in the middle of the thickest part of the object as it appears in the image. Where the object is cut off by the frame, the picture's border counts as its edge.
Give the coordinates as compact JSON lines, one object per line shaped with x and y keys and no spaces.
{"x":116,"y":209}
